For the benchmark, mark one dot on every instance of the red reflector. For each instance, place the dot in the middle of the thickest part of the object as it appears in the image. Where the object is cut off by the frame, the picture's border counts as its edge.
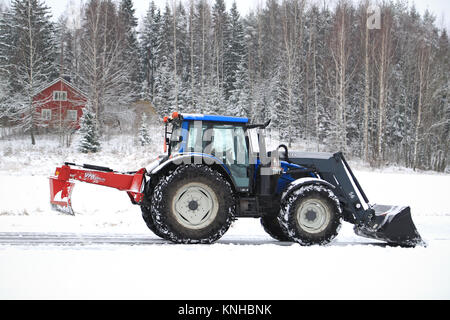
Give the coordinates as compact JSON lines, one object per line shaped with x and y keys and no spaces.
{"x":175,"y":115}
{"x":166,"y":119}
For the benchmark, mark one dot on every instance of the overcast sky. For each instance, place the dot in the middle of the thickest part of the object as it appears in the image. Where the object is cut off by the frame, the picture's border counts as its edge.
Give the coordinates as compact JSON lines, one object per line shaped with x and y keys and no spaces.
{"x":441,"y":8}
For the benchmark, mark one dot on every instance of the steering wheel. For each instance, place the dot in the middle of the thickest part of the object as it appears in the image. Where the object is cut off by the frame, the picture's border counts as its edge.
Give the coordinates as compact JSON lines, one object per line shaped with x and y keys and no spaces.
{"x":286,"y":155}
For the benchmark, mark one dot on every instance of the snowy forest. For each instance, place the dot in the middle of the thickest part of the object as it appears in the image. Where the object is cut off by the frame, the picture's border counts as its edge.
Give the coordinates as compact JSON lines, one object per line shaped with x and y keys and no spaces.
{"x":321,"y":71}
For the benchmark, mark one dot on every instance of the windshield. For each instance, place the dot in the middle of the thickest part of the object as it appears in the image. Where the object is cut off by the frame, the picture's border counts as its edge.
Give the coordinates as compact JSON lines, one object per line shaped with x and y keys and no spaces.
{"x":220,"y":140}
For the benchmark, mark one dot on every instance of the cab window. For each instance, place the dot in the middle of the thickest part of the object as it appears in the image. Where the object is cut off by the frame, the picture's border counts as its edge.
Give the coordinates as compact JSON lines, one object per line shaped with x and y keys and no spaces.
{"x":224,"y":141}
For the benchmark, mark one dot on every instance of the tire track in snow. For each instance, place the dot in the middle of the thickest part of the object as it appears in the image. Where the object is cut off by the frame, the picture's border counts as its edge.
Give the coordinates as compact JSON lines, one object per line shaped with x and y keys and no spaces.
{"x":88,"y":239}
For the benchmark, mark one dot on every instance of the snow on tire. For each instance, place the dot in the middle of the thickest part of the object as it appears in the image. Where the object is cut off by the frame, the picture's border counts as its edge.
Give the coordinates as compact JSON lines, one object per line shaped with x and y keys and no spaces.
{"x":272,"y":227}
{"x":193,"y":204}
{"x":147,"y":216}
{"x":311,"y":215}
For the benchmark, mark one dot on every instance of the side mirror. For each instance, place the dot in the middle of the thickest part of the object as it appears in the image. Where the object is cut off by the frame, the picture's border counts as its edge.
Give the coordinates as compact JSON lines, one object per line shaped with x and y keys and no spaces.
{"x":286,"y":151}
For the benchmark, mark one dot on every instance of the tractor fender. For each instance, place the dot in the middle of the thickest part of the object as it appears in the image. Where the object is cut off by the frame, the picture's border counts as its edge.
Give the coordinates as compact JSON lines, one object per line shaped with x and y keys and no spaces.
{"x":194,"y":158}
{"x":297,"y":184}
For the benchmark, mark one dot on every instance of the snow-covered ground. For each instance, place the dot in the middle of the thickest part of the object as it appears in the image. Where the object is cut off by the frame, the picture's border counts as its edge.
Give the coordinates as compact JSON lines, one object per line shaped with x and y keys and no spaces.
{"x":245,"y":264}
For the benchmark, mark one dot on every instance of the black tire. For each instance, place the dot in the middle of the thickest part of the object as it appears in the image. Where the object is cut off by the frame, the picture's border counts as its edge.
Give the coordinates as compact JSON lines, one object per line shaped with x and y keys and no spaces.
{"x":147,"y":216}
{"x":311,"y":215}
{"x":273,"y":228}
{"x":168,"y":200}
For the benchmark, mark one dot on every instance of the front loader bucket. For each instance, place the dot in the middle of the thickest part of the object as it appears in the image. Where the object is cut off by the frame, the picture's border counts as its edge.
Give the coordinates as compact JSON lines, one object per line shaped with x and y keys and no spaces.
{"x":60,"y":195}
{"x":392,"y":224}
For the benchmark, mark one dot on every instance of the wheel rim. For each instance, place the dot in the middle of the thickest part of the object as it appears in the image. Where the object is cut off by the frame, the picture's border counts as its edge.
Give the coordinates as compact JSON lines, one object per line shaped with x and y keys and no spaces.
{"x":313,"y":215}
{"x":195,"y":205}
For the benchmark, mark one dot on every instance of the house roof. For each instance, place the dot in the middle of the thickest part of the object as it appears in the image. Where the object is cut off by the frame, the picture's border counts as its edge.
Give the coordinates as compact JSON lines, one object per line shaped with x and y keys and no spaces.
{"x":67,"y":83}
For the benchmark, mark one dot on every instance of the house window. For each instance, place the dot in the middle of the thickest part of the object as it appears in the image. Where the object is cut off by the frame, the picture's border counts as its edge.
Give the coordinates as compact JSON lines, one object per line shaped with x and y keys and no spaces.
{"x":59,"y":95}
{"x":46,"y":114}
{"x":72,"y":115}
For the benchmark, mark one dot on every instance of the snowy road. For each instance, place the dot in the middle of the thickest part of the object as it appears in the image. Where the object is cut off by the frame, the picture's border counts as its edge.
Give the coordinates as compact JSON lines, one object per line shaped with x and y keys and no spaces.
{"x":243,"y":232}
{"x":244,"y":264}
{"x":86,"y":239}
{"x":105,"y":251}
{"x":76,"y":239}
{"x":92,"y":239}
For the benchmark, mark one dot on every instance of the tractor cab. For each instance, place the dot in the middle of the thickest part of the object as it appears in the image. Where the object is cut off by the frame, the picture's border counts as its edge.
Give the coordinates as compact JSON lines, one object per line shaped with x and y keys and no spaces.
{"x":238,"y":146}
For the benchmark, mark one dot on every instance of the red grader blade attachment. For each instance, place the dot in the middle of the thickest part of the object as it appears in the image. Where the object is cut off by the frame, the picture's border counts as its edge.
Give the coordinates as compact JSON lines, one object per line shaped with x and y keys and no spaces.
{"x":62,"y":183}
{"x":60,"y":195}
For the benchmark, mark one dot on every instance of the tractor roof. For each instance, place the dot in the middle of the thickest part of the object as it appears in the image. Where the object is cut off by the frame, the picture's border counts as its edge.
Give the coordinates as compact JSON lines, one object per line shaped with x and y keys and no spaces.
{"x":206,"y":117}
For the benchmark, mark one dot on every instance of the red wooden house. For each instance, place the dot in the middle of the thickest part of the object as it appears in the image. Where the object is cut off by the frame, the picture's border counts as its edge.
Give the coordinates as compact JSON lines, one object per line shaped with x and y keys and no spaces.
{"x":59,"y":105}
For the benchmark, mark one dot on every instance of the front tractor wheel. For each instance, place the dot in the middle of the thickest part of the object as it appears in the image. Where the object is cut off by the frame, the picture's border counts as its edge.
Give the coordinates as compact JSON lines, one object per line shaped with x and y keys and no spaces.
{"x":194,"y":204}
{"x":311,"y":215}
{"x":272,"y":227}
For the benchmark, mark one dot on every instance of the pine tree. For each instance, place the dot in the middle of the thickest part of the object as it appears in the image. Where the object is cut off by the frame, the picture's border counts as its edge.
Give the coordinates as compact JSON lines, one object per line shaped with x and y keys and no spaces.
{"x":240,"y":99}
{"x":167,"y":36}
{"x":202,"y":53}
{"x":150,"y":46}
{"x":215,"y":102}
{"x":4,"y":38}
{"x":144,"y":137}
{"x":163,"y":87}
{"x":234,"y":55}
{"x":183,"y":58}
{"x":27,"y":47}
{"x":89,"y":136}
{"x":130,"y":52}
{"x":221,"y":35}
{"x":280,"y":109}
{"x":442,"y":104}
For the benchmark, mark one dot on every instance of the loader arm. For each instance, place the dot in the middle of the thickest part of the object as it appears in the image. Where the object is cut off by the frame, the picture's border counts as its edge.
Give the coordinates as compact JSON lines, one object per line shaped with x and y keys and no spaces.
{"x":383,"y":222}
{"x":334,"y":169}
{"x":62,"y":183}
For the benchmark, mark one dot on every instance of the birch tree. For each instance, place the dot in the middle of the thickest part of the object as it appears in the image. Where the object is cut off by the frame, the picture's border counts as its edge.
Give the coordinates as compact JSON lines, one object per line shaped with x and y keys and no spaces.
{"x":383,"y":63}
{"x":103,"y":71}
{"x":340,"y":51}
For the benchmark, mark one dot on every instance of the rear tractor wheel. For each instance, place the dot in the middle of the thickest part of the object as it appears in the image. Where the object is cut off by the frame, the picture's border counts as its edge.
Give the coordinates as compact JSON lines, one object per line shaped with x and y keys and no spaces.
{"x":147,"y":216}
{"x":193,"y":204}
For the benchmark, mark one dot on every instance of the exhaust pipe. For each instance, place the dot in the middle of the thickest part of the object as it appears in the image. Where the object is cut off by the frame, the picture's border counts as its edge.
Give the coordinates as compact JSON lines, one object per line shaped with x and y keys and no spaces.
{"x":392,"y":224}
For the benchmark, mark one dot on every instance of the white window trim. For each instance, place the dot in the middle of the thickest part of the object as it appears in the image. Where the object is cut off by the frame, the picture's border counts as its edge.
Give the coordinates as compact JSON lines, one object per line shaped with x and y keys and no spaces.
{"x":59,"y":95}
{"x":73,"y":118}
{"x":46,"y":114}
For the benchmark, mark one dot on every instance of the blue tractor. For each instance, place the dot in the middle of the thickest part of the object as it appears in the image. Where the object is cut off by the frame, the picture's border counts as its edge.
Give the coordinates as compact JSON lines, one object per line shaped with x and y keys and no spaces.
{"x":216,"y":169}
